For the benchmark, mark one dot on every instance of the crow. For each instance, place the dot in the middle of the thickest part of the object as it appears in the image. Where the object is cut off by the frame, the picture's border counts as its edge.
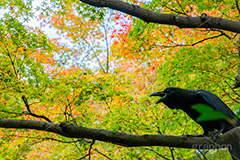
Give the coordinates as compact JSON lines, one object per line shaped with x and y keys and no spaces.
{"x":177,"y":98}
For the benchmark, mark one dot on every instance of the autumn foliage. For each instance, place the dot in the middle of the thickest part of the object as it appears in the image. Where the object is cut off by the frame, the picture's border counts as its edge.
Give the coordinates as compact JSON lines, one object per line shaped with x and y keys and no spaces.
{"x":99,"y":70}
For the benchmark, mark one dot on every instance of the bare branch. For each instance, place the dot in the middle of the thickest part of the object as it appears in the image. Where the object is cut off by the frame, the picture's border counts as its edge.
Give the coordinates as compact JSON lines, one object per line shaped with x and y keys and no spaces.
{"x":89,"y":151}
{"x":107,"y":45}
{"x":149,"y":149}
{"x":231,"y":137}
{"x":54,"y":139}
{"x":11,"y":60}
{"x":203,"y":21}
{"x":16,"y":113}
{"x":203,"y":154}
{"x":193,"y":44}
{"x":30,"y":112}
{"x":237,"y":6}
{"x":102,"y":154}
{"x":223,"y":33}
{"x":237,"y":78}
{"x":178,"y":12}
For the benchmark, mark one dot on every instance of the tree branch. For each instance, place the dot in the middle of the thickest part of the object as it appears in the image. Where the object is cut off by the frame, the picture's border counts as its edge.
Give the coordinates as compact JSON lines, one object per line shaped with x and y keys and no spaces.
{"x":237,"y":6}
{"x":129,"y":140}
{"x":203,"y":21}
{"x":237,"y":78}
{"x":30,"y":112}
{"x":193,"y":44}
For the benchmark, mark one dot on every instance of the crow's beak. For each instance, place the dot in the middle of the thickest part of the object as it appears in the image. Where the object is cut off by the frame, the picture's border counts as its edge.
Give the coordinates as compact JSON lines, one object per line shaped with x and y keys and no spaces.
{"x":161,"y":94}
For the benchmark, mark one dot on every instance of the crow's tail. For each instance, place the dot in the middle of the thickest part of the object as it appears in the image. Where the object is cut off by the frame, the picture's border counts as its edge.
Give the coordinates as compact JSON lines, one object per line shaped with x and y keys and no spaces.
{"x":235,"y":151}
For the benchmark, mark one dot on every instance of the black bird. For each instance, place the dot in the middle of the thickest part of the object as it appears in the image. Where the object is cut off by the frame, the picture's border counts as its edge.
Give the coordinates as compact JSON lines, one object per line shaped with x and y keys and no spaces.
{"x":177,"y":98}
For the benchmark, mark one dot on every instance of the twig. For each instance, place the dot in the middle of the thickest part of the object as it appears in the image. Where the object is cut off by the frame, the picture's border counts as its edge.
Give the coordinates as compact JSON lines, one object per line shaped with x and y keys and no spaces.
{"x":102,"y":154}
{"x":223,"y":33}
{"x":30,"y":112}
{"x":106,"y":40}
{"x":49,"y":138}
{"x":202,"y":154}
{"x":182,"y":45}
{"x":89,"y":151}
{"x":157,"y":153}
{"x":90,"y":148}
{"x":13,"y":65}
{"x":183,"y":13}
{"x":237,"y":6}
{"x":181,"y":7}
{"x":171,"y":150}
{"x":54,"y":139}
{"x":229,"y":95}
{"x":66,"y":108}
{"x":232,"y":89}
{"x":216,"y":73}
{"x":26,"y":103}
{"x":17,"y":114}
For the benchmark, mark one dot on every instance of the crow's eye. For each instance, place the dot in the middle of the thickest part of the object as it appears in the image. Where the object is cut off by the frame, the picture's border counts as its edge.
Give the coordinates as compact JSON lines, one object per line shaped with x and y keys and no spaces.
{"x":167,"y":91}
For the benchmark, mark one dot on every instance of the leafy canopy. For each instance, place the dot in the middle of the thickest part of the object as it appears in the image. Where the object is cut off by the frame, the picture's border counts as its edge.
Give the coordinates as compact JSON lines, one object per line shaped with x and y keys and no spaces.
{"x":100,"y":71}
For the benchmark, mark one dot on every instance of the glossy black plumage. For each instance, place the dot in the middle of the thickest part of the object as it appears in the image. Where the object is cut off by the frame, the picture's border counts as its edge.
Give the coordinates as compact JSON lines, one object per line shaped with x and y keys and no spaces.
{"x":177,"y":98}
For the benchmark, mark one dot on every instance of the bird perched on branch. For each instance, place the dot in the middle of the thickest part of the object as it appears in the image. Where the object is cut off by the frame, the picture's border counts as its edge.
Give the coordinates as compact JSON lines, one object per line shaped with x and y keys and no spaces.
{"x":205,"y":108}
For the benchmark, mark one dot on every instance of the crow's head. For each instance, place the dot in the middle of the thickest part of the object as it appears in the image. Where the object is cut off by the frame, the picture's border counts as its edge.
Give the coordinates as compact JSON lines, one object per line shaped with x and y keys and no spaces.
{"x":170,"y":96}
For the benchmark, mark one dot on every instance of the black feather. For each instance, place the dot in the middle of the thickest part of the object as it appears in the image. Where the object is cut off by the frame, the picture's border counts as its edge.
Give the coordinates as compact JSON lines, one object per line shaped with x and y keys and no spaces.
{"x":216,"y":103}
{"x":177,"y":98}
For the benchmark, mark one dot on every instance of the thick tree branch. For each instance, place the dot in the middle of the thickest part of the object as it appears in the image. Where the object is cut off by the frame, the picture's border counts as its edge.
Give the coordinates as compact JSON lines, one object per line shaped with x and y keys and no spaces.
{"x":237,"y":78}
{"x":129,"y":140}
{"x":203,"y":21}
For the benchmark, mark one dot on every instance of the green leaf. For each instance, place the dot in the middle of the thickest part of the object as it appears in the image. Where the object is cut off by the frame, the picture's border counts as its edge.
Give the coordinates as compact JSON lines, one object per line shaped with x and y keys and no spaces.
{"x":207,"y":113}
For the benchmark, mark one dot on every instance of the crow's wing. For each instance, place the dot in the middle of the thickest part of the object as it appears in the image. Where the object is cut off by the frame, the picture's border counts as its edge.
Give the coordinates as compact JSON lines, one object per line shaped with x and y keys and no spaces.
{"x":216,"y":103}
{"x":219,"y":105}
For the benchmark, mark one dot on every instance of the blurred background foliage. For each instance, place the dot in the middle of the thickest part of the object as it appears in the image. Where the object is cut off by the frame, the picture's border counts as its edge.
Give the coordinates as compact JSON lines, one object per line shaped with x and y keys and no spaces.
{"x":99,"y":70}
